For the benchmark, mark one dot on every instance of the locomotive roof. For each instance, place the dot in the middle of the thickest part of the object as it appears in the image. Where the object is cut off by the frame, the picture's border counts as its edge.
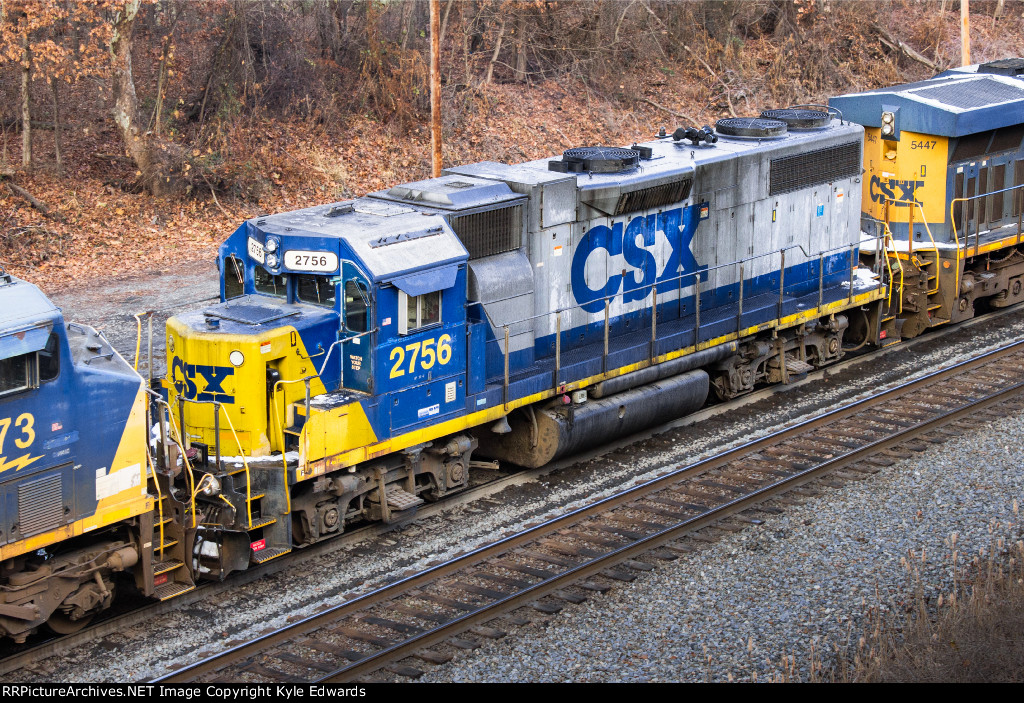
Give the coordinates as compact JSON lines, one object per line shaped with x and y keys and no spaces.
{"x":671,"y":158}
{"x":23,"y":304}
{"x":388,"y":238}
{"x":952,"y":104}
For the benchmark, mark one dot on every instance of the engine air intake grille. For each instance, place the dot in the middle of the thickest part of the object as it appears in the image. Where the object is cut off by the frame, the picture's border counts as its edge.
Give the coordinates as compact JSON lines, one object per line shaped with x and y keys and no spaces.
{"x":596,"y":159}
{"x":752,"y":127}
{"x":490,"y":232}
{"x":833,"y":163}
{"x":40,"y":505}
{"x":799,"y":119}
{"x":655,"y":196}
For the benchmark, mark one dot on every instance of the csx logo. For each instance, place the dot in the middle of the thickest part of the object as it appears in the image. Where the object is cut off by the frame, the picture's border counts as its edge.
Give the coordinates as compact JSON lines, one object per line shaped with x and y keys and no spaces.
{"x":199,"y":382}
{"x":892,"y":189}
{"x":676,"y":226}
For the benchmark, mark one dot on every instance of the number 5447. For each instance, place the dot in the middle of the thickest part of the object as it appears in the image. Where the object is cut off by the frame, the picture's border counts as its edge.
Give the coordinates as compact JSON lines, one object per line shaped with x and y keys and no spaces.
{"x":426,"y":354}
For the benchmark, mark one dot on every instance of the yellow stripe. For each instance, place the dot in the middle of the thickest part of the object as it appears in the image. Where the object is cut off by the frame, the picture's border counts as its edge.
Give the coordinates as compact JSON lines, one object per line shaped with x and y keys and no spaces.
{"x":426,"y":434}
{"x":102,"y":518}
{"x":990,"y":246}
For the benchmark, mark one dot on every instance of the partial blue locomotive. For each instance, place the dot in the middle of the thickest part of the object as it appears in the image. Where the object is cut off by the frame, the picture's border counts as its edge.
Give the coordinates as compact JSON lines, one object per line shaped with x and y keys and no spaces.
{"x":367,"y":355}
{"x":75,"y":507}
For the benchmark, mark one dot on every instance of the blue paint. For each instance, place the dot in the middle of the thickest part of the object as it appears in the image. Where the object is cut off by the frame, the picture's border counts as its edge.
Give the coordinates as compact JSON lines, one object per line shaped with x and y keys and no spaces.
{"x":678,"y":225}
{"x":84,"y":400}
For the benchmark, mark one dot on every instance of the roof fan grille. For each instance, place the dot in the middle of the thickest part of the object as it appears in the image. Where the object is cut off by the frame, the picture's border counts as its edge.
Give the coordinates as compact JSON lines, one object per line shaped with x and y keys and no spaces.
{"x":799,"y":119}
{"x":596,"y":159}
{"x":755,"y":127}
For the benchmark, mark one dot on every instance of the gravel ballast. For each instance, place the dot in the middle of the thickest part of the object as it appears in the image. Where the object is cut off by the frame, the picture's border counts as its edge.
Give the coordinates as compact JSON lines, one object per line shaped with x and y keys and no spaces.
{"x":797,"y":586}
{"x":725,"y":598}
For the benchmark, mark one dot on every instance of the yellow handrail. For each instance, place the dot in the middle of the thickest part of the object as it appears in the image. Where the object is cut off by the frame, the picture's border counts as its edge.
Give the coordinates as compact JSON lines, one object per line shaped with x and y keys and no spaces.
{"x":138,"y":338}
{"x":888,"y":241}
{"x":248,"y":479}
{"x":184,"y":456}
{"x":935,"y":248}
{"x":280,"y":428}
{"x":159,"y":500}
{"x":962,"y":253}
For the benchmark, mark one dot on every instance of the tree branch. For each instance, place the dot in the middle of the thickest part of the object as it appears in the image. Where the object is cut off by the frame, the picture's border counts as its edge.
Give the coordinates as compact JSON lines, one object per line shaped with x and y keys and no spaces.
{"x":41,"y":207}
{"x":671,"y":112}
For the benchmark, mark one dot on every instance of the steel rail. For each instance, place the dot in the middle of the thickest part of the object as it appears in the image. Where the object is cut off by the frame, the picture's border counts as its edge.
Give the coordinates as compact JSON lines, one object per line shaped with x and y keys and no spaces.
{"x":378,"y":659}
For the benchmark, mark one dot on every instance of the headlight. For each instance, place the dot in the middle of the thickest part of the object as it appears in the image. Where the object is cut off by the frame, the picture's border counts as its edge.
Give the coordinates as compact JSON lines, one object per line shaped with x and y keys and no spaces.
{"x":236,"y":357}
{"x":272,"y":261}
{"x":270,"y":244}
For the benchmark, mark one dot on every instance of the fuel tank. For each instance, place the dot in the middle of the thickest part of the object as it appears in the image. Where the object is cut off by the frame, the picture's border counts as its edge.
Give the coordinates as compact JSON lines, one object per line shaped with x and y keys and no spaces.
{"x":540,"y":435}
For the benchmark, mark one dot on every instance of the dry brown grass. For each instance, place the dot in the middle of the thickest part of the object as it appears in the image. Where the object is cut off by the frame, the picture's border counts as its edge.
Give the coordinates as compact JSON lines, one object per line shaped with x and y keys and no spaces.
{"x":973,"y":634}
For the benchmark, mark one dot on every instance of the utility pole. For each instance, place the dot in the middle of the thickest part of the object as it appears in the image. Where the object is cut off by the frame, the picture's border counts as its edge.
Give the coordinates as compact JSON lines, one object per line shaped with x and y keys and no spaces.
{"x":435,"y":84}
{"x":965,"y":34}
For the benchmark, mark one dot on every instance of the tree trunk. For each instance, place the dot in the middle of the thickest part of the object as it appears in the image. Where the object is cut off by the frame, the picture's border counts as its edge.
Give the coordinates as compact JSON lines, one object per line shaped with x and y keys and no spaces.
{"x":494,"y":56}
{"x":56,"y":126}
{"x":158,"y":161}
{"x":520,"y":72}
{"x":26,"y":103}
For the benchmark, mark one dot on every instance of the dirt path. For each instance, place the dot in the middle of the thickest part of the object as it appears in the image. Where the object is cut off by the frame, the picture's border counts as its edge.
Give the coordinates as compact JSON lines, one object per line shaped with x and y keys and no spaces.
{"x":109,"y":304}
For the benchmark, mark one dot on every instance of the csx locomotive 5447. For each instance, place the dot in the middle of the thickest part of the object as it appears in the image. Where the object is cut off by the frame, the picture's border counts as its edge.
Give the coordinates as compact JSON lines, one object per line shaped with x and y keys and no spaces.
{"x":367,"y":355}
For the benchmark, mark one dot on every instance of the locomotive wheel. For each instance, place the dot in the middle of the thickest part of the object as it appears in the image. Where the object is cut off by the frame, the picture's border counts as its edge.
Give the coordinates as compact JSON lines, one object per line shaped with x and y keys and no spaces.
{"x":61,"y":624}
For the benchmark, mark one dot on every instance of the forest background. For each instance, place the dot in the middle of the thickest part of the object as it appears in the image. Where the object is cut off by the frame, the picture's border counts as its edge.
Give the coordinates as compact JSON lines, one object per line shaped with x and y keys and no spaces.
{"x":138,"y":134}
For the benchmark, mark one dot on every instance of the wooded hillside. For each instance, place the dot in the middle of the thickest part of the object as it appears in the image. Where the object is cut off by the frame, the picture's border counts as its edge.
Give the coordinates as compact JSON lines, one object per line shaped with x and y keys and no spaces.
{"x":139,"y":133}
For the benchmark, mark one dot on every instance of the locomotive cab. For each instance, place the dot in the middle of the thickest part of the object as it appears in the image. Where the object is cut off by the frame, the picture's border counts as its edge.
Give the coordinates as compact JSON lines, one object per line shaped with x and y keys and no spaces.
{"x":73,"y":500}
{"x":340,"y":327}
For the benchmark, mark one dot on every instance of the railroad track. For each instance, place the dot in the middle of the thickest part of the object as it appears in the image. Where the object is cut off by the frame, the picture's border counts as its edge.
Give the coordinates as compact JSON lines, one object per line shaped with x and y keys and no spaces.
{"x":423,"y":617}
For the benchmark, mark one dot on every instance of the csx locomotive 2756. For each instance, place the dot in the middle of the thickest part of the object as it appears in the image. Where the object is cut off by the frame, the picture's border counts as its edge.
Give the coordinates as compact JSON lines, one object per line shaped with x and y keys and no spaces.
{"x":367,"y":355}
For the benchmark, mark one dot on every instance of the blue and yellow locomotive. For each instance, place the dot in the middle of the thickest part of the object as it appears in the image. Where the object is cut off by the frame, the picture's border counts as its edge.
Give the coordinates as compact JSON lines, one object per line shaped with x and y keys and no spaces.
{"x":366,"y":352}
{"x":367,"y":355}
{"x":75,"y":505}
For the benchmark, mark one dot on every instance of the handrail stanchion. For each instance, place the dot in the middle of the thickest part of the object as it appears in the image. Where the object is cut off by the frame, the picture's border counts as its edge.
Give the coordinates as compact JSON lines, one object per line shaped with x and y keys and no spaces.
{"x":505,"y":388}
{"x":821,"y":280}
{"x":181,"y":424}
{"x":558,"y":346}
{"x":216,"y":431}
{"x":1020,"y":213}
{"x":696,"y":299}
{"x":607,"y":313}
{"x":782,"y":279}
{"x":654,"y":324}
{"x":150,"y":357}
{"x":739,"y":315}
{"x":850,"y":298}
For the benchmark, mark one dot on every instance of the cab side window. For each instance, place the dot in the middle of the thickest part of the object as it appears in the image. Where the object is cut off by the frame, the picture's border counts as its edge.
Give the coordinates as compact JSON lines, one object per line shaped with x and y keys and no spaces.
{"x":49,"y":358}
{"x":234,"y":277}
{"x":357,"y":303}
{"x":16,"y":373}
{"x":418,"y":311}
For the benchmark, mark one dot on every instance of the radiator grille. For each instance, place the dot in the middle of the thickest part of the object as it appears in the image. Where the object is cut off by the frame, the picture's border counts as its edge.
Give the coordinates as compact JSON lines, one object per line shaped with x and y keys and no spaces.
{"x":968,"y":95}
{"x":490,"y":232}
{"x":40,"y":505}
{"x":826,"y":165}
{"x":655,"y":196}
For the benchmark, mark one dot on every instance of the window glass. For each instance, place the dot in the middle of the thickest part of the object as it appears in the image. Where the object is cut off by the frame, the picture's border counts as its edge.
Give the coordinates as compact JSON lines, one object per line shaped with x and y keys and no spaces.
{"x":421,"y":311}
{"x":318,"y":290}
{"x":356,"y":304}
{"x":234,"y":277}
{"x":430,"y":308}
{"x":269,"y":283}
{"x":49,"y":359}
{"x":15,"y":373}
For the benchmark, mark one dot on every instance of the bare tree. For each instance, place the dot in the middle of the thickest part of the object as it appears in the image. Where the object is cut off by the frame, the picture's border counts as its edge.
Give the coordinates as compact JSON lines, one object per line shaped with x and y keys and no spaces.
{"x":26,"y":101}
{"x":157,"y":160}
